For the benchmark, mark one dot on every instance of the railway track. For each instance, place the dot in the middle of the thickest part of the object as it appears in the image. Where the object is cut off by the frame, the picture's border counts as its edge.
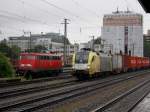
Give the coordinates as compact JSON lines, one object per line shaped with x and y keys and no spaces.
{"x":64,"y":75}
{"x":35,"y":88}
{"x":7,"y":84}
{"x":43,"y":99}
{"x":110,"y":105}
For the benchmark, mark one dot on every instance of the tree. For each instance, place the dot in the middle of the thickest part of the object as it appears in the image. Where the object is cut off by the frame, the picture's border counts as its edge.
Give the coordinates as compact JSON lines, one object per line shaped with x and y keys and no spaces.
{"x":15,"y":50}
{"x":6,"y":50}
{"x":146,"y":48}
{"x":98,"y":40}
{"x":6,"y":69}
{"x":12,"y":53}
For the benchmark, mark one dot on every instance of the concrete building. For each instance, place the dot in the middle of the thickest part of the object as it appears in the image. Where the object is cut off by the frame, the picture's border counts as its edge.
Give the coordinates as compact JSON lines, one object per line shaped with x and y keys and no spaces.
{"x":46,"y":42}
{"x":22,"y":42}
{"x":123,"y":31}
{"x":51,"y":41}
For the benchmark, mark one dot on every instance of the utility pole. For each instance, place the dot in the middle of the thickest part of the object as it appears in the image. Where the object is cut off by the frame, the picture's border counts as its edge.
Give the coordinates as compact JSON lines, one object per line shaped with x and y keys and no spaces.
{"x":126,"y":40}
{"x":102,"y":41}
{"x":92,"y":42}
{"x":65,"y":37}
{"x":133,"y":49}
{"x":30,"y":42}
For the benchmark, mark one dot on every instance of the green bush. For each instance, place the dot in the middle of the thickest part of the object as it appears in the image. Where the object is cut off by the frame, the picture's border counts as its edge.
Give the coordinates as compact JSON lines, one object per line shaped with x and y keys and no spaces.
{"x":6,"y":69}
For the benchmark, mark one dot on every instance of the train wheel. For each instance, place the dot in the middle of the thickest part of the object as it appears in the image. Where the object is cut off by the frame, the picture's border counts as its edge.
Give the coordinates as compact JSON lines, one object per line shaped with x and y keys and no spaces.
{"x":61,"y":71}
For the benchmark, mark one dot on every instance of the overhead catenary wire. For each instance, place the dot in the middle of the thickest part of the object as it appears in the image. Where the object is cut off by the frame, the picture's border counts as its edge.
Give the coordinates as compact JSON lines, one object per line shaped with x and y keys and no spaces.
{"x":49,"y":13}
{"x":59,"y":8}
{"x":85,"y":8}
{"x":26,"y":20}
{"x":42,"y":10}
{"x":64,"y":10}
{"x":23,"y":19}
{"x":10,"y":17}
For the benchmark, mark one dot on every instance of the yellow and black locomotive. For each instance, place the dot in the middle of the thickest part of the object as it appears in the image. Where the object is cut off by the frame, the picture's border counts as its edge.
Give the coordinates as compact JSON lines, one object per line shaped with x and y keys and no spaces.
{"x":88,"y":64}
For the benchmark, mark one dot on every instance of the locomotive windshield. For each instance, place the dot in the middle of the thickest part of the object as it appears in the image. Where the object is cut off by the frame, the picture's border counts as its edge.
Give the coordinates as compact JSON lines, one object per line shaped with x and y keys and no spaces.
{"x":30,"y":57}
{"x":81,"y":57}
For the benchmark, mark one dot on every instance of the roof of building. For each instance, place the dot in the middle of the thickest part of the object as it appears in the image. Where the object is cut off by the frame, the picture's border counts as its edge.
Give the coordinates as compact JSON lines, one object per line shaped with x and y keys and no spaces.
{"x":39,"y":54}
{"x":55,"y":37}
{"x":123,"y":13}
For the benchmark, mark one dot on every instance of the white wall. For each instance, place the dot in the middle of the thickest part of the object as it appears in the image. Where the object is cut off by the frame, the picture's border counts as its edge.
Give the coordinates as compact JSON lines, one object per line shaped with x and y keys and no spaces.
{"x":111,"y":35}
{"x":115,"y":35}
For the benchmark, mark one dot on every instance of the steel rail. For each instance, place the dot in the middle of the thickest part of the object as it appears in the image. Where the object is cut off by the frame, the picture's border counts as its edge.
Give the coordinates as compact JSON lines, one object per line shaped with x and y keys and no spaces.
{"x":6,"y":84}
{"x":20,"y":91}
{"x":17,"y":92}
{"x":120,"y":97}
{"x":63,"y":94}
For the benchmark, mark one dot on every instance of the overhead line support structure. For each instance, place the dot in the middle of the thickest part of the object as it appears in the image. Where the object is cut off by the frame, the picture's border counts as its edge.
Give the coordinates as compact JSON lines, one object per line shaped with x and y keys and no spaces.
{"x":92,"y":41}
{"x":65,"y":37}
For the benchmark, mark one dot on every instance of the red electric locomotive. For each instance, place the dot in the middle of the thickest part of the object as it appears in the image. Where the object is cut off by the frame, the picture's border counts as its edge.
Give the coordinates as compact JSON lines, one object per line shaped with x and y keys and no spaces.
{"x":43,"y":63}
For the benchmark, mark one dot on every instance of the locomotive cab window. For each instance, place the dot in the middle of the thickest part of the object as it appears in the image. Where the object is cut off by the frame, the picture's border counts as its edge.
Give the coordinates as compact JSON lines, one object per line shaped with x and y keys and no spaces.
{"x":30,"y":57}
{"x":82,"y":57}
{"x":23,"y":57}
{"x":56,"y":58}
{"x":40,"y":57}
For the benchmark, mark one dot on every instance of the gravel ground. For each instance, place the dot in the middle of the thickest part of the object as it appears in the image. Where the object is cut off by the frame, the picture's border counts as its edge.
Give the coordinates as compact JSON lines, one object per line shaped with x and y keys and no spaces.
{"x":144,"y":105}
{"x":125,"y":104}
{"x":92,"y":100}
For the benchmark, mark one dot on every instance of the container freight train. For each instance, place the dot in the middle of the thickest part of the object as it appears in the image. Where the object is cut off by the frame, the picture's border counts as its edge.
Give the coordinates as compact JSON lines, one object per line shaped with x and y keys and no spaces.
{"x":88,"y":64}
{"x":32,"y":64}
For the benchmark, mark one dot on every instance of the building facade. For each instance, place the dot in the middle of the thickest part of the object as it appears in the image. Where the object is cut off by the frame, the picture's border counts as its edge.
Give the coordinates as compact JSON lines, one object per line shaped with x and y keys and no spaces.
{"x":51,"y":41}
{"x":123,"y":31}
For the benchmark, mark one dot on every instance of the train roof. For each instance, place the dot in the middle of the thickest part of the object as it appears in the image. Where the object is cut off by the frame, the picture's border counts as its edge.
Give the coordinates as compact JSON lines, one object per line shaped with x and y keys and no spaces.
{"x":40,"y":54}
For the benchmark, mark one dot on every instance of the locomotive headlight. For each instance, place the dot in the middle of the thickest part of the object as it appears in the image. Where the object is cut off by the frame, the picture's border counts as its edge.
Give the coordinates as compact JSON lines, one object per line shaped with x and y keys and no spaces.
{"x":29,"y":65}
{"x":73,"y":67}
{"x":22,"y":65}
{"x":88,"y":66}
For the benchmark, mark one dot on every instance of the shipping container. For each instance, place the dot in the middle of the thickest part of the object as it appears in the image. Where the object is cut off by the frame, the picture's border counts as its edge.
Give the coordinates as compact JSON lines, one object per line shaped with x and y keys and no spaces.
{"x":117,"y":63}
{"x":105,"y":62}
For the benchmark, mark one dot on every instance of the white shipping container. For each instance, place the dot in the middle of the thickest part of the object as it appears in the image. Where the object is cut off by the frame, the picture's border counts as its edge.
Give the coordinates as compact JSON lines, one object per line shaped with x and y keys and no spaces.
{"x":117,"y":62}
{"x":105,"y":63}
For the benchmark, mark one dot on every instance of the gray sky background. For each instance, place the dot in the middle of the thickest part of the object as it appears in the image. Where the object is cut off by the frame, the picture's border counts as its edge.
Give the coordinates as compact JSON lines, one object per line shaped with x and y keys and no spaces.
{"x":38,"y":16}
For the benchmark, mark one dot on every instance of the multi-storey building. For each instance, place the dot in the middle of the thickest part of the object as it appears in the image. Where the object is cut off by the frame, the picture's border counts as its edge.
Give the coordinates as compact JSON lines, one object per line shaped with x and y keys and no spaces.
{"x":123,"y":31}
{"x":51,"y":41}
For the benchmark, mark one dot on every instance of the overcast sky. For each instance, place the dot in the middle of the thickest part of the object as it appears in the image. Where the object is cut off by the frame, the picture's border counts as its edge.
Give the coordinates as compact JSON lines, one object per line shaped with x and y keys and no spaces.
{"x":38,"y":16}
